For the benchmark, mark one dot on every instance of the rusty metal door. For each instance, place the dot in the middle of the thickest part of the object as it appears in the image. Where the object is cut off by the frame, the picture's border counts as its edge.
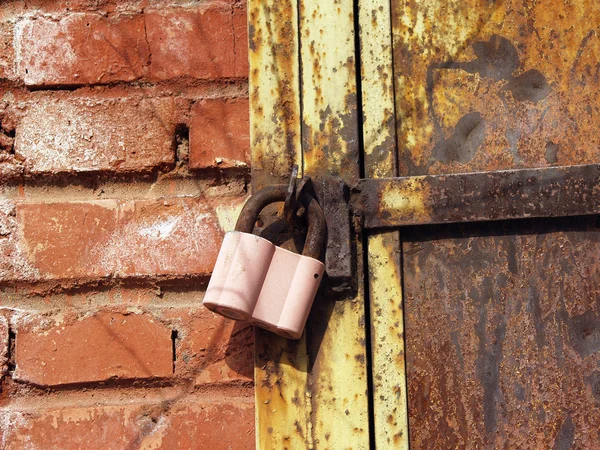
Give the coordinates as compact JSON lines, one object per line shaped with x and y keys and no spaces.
{"x":501,"y":317}
{"x":469,"y":131}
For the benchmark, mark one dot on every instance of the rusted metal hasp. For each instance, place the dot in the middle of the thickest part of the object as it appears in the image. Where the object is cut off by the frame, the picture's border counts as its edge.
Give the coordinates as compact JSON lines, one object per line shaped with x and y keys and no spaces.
{"x":482,"y":196}
{"x":333,"y":195}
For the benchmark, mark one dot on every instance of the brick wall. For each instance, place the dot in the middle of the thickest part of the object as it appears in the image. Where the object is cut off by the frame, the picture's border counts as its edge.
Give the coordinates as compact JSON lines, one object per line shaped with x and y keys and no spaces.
{"x":124,"y":156}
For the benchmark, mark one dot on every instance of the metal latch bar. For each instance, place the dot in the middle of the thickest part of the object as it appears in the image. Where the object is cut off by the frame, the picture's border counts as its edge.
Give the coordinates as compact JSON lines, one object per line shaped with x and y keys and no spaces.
{"x":482,"y":196}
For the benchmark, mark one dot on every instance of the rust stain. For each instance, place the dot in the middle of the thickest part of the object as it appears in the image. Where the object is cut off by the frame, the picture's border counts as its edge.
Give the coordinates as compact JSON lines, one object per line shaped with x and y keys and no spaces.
{"x":487,"y":85}
{"x":504,"y":327}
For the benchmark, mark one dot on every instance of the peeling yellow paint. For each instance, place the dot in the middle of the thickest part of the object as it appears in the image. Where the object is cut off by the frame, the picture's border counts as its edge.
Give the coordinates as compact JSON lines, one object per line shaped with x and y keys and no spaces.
{"x":387,"y":341}
{"x":282,"y":411}
{"x":329,"y":97}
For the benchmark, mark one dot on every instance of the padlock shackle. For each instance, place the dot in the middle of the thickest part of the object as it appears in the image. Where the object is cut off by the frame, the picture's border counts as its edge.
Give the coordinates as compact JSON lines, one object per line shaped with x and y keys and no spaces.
{"x":317,"y":227}
{"x":256,"y":203}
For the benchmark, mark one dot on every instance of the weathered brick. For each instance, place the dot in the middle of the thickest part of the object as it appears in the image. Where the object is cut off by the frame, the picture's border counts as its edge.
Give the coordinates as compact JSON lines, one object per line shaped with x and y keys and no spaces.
{"x":217,"y":426}
{"x":196,"y":42}
{"x":62,"y":6}
{"x":90,"y":240}
{"x":13,"y":259}
{"x":59,"y":240}
{"x":81,"y":48}
{"x":142,"y":52}
{"x":85,"y":135}
{"x":210,"y":348}
{"x":97,"y":348}
{"x":169,"y":237}
{"x":7,"y":53}
{"x":240,"y":27}
{"x":4,"y":343}
{"x":220,"y":133}
{"x":183,"y":426}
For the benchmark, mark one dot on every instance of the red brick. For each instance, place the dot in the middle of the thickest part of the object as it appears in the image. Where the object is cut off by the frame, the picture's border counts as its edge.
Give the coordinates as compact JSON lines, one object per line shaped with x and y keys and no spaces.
{"x":81,"y":48}
{"x":7,"y":53}
{"x":86,"y":135}
{"x":183,"y":426}
{"x":210,"y":348}
{"x":58,"y":240}
{"x":61,"y":6}
{"x":13,"y":259}
{"x":168,"y":237}
{"x":216,"y":427}
{"x":4,"y":343}
{"x":220,"y":133}
{"x":240,"y":26}
{"x":195,"y":43}
{"x":90,"y":240}
{"x":97,"y":348}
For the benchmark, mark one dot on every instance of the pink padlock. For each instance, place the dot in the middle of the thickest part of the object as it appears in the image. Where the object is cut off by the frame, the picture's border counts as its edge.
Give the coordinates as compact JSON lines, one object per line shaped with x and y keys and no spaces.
{"x":257,"y":281}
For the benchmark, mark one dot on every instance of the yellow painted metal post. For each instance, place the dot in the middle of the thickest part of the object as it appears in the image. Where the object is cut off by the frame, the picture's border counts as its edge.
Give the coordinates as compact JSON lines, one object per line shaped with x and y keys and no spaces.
{"x":383,"y":253}
{"x":330,"y":144}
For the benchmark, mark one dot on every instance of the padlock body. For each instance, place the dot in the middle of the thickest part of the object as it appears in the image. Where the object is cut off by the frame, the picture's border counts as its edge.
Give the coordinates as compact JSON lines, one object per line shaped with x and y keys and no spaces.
{"x":288,"y":292}
{"x":269,"y":286}
{"x":237,"y":279}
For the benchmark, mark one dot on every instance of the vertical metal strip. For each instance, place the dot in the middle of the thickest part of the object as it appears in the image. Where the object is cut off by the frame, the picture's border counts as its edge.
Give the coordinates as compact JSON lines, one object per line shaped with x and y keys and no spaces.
{"x":330,"y":142}
{"x":337,"y":381}
{"x":282,"y":409}
{"x":274,"y":90}
{"x":383,"y":253}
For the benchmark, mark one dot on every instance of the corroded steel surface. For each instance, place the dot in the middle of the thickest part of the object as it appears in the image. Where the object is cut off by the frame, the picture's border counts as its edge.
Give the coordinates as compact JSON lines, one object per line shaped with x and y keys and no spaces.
{"x":503,"y":334}
{"x":333,"y":196}
{"x":329,"y":98}
{"x":511,"y":194}
{"x":488,"y":85}
{"x":255,"y":204}
{"x":274,"y":90}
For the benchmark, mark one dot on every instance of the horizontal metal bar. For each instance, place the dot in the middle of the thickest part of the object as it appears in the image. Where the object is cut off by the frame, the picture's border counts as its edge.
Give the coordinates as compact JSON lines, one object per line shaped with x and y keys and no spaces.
{"x":481,"y":196}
